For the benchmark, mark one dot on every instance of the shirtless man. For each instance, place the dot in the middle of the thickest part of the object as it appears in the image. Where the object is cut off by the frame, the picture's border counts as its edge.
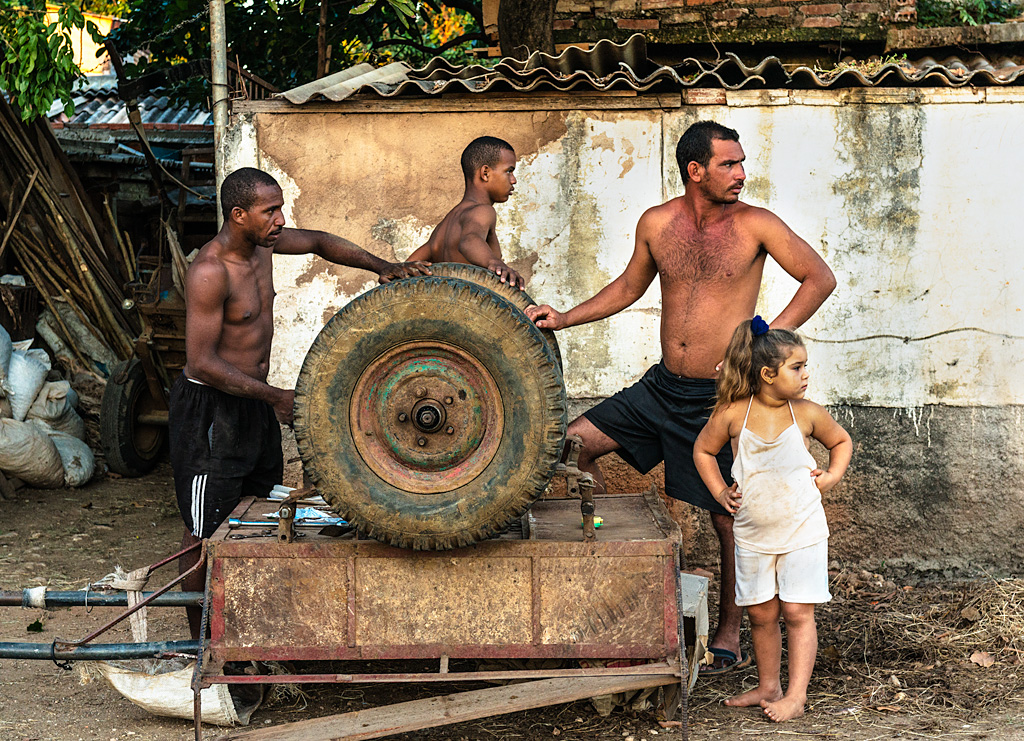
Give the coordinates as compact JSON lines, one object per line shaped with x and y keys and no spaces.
{"x":224,"y":434}
{"x":467,"y":234}
{"x":709,"y":250}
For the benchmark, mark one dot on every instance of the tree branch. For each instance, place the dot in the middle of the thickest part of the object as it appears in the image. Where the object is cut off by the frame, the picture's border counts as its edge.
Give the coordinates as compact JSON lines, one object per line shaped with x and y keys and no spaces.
{"x":435,"y":50}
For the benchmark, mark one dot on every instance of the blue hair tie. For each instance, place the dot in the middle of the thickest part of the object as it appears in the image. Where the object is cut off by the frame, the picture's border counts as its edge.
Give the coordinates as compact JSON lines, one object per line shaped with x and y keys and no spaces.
{"x":758,"y":326}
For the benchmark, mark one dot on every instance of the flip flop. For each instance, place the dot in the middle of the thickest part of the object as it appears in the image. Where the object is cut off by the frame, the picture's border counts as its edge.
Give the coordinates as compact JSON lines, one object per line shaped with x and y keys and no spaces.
{"x":730,"y":661}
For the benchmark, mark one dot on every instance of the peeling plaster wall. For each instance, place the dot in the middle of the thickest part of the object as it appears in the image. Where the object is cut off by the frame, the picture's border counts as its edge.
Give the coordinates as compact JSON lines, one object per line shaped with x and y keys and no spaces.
{"x":918,"y":351}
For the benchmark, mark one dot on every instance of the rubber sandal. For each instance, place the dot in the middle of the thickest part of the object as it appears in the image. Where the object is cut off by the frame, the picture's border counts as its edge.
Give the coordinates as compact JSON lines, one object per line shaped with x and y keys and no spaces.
{"x":730,"y":662}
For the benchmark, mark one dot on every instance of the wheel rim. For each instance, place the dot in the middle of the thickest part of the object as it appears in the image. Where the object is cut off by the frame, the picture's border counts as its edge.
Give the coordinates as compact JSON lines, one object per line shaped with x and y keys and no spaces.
{"x":146,"y":438}
{"x":426,"y":417}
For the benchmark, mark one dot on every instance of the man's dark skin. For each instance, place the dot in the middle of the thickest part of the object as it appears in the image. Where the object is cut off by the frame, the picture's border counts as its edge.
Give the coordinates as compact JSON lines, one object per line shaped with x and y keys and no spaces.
{"x":466,"y":234}
{"x":709,"y":250}
{"x":229,"y":317}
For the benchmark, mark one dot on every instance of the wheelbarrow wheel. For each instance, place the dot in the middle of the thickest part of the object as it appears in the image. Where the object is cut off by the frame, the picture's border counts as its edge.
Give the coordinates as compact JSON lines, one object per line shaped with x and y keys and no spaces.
{"x":131,"y":448}
{"x":430,"y":413}
{"x":488,"y":279}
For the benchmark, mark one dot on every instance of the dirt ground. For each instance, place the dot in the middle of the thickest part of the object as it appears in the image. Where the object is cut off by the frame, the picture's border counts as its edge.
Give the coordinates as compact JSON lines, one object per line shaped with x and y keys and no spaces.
{"x":887,"y":667}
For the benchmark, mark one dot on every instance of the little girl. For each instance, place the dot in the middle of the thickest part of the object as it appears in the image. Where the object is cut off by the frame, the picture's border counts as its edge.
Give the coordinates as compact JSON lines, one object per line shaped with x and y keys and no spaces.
{"x":779,"y":526}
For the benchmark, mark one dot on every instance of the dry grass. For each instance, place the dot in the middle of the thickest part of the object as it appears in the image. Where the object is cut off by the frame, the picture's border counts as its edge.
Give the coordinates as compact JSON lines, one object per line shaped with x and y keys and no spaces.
{"x":949,"y":650}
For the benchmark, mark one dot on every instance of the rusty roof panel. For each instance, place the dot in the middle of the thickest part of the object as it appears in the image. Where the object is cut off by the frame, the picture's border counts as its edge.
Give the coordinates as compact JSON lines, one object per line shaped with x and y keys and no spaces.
{"x":608,"y":66}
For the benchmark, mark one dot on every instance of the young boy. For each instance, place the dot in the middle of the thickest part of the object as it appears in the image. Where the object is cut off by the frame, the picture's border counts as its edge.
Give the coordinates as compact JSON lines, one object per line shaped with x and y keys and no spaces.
{"x":466,"y":234}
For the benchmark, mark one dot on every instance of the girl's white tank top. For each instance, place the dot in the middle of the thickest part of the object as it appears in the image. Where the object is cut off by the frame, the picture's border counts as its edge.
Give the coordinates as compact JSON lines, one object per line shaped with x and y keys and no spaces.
{"x":781,"y":507}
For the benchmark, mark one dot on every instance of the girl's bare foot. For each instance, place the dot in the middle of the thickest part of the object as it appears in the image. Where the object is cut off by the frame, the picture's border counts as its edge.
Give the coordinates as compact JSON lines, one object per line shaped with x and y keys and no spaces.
{"x":785,"y":709}
{"x":757,"y":696}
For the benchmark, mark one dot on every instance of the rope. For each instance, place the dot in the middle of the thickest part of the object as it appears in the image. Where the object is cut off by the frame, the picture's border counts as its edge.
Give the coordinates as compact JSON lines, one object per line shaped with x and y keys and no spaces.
{"x":132,"y":583}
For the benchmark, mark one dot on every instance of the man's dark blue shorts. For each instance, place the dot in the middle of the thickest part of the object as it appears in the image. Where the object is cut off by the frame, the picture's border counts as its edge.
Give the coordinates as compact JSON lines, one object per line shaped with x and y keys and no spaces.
{"x":658,"y":419}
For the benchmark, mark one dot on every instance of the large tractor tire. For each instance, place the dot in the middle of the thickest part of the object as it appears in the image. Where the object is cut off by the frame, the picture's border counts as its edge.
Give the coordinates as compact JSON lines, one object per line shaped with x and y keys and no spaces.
{"x":131,"y":446}
{"x":488,"y":279}
{"x":430,"y":413}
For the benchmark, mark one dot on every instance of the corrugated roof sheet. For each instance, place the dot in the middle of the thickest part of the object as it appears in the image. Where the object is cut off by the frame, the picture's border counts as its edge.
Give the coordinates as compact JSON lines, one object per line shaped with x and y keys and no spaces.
{"x":97,"y":105}
{"x":610,"y":66}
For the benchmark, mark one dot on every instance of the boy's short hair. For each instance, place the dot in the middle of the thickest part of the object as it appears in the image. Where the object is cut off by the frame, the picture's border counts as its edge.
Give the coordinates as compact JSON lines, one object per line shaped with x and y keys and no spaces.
{"x":695,"y":144}
{"x":239,"y":189}
{"x":484,"y":150}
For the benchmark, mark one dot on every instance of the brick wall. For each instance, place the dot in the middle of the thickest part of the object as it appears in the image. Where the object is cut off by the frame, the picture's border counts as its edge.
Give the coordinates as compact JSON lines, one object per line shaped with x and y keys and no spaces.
{"x":694,"y":21}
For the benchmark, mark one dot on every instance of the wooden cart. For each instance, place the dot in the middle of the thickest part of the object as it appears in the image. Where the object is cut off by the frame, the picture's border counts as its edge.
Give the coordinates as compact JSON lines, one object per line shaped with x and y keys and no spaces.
{"x":615,"y":609}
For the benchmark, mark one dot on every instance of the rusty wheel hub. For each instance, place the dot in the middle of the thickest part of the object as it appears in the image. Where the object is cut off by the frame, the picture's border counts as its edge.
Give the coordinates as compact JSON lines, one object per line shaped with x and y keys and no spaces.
{"x":426,"y":417}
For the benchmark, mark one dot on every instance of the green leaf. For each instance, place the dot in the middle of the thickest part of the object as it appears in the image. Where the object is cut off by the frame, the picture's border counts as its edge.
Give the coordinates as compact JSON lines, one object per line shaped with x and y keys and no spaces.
{"x":360,"y":9}
{"x":273,"y":7}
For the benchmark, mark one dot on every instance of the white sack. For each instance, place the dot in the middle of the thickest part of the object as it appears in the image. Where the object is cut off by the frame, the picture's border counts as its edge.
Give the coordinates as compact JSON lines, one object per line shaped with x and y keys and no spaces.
{"x":75,"y":456}
{"x":5,"y":358}
{"x":28,"y":453}
{"x":55,"y":405}
{"x":169,"y":693}
{"x":26,"y":375}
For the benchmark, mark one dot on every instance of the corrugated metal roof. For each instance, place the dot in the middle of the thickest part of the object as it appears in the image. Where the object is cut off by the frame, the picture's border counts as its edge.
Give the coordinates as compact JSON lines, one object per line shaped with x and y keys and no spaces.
{"x":97,"y":105}
{"x":610,"y":66}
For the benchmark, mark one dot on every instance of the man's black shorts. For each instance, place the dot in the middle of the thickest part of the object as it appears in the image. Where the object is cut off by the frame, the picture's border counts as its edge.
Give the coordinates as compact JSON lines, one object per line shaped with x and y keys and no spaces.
{"x":658,"y":418}
{"x":223,"y":448}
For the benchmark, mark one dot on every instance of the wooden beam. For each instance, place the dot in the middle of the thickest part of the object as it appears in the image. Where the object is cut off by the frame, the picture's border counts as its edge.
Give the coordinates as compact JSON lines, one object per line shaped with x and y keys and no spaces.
{"x":458,"y":708}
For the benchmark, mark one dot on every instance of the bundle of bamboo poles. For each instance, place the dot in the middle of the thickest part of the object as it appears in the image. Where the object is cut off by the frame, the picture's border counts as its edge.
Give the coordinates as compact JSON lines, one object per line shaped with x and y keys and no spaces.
{"x":57,"y":239}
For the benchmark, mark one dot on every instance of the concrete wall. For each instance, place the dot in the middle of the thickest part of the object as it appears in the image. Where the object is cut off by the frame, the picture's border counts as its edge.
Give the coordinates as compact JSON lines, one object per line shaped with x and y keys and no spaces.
{"x":907,"y":194}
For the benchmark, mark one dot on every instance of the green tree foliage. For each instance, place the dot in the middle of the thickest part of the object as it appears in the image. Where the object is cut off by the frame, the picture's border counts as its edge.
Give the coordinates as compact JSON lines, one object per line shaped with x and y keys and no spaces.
{"x":277,"y":40}
{"x":946,"y":13}
{"x":37,"y":65}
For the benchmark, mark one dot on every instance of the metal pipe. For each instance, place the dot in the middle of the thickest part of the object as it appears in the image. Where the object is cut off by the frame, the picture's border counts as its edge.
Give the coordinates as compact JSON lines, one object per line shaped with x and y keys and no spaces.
{"x":98,"y":651}
{"x":48,"y":599}
{"x":219,"y":91}
{"x":152,"y":595}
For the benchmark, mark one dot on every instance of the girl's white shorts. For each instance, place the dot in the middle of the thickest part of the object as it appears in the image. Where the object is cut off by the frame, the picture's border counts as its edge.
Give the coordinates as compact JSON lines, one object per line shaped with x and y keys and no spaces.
{"x":800,"y":576}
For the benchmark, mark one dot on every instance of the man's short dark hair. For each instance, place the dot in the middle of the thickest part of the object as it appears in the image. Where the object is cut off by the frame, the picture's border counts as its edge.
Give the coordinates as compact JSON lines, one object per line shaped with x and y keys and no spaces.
{"x":239,"y":189}
{"x":484,"y":150}
{"x":695,"y":144}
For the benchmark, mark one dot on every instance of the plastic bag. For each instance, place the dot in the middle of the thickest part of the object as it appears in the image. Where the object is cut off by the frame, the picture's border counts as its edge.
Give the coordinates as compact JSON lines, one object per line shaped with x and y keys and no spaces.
{"x":28,"y":453}
{"x":55,"y":405}
{"x":25,"y":376}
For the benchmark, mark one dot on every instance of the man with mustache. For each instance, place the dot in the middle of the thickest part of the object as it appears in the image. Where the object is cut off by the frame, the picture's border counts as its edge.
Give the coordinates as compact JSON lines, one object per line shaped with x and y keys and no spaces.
{"x":466,"y":234}
{"x":223,"y":423}
{"x":708,"y":249}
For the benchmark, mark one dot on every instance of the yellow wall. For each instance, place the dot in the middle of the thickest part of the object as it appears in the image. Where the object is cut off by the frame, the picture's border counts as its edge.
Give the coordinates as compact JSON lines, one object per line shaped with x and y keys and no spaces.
{"x":85,"y":47}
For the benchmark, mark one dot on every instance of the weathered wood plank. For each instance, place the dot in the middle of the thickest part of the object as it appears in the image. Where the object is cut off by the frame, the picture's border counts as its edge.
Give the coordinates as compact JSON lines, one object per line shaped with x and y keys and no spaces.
{"x":438,"y":711}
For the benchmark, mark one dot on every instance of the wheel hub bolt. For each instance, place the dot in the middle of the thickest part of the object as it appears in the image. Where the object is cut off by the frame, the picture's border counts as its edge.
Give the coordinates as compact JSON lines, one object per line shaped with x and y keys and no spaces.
{"x":420,"y":392}
{"x":422,"y":441}
{"x":449,"y":400}
{"x":450,"y":430}
{"x":403,"y":417}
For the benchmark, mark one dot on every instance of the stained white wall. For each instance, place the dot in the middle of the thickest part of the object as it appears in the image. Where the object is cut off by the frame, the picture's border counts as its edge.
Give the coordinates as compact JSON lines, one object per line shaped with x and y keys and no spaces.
{"x":915,"y":206}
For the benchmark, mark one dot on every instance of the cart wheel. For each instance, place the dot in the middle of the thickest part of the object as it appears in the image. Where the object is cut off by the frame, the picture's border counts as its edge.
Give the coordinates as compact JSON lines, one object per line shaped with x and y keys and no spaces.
{"x":131,"y":448}
{"x":430,"y":413}
{"x":487,"y":279}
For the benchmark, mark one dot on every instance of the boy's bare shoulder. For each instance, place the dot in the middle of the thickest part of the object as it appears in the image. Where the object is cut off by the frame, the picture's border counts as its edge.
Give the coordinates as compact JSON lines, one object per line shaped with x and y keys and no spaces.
{"x":479,"y":212}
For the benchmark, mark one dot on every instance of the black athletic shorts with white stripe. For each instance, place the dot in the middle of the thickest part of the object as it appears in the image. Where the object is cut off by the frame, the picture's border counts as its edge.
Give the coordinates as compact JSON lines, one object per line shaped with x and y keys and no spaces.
{"x":223,"y":448}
